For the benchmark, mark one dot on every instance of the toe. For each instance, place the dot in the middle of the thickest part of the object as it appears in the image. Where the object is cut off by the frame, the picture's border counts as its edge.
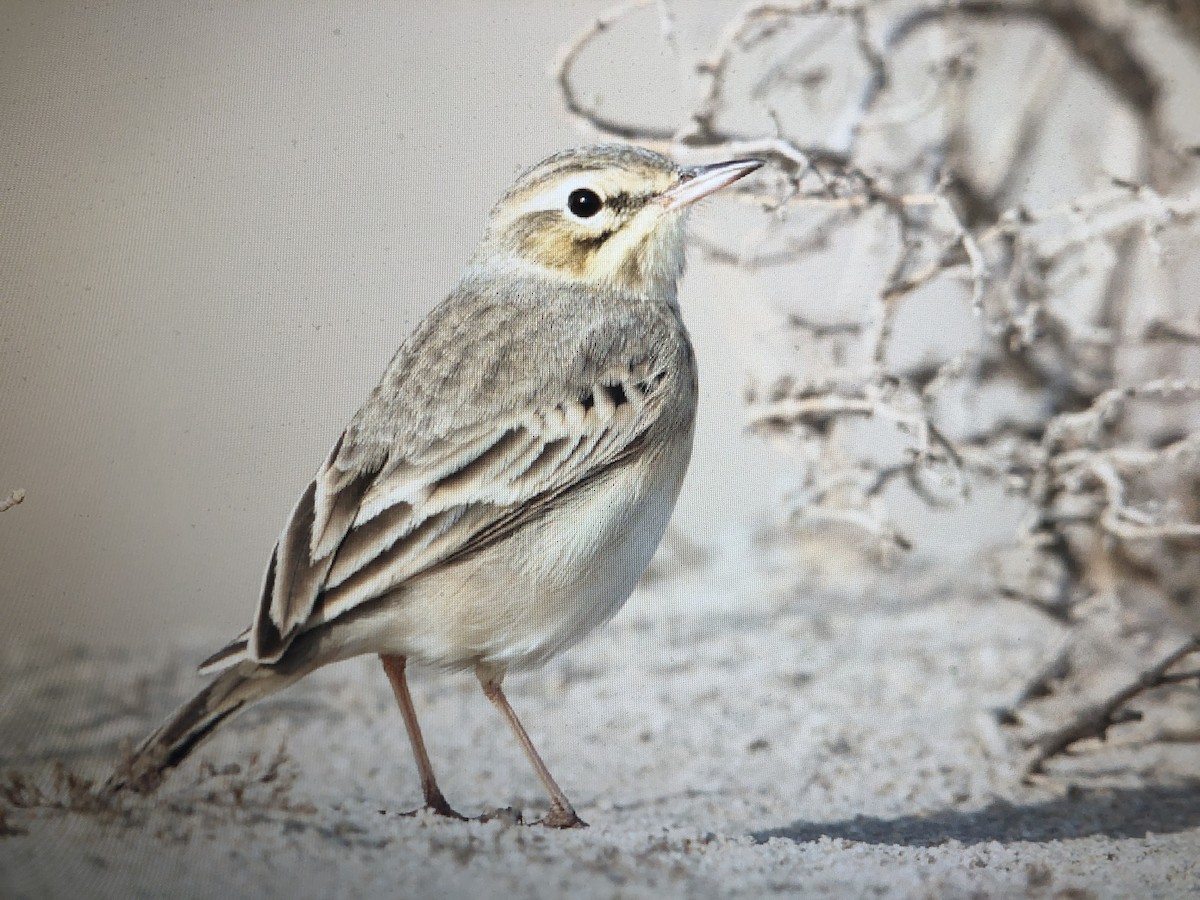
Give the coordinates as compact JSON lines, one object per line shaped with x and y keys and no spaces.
{"x":560,"y":817}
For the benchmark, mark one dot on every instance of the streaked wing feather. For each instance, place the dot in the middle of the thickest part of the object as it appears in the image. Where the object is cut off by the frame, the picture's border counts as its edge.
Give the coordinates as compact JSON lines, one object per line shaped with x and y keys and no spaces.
{"x":428,"y":543}
{"x":300,"y":562}
{"x":226,"y":656}
{"x":406,"y":478}
{"x":364,"y":526}
{"x":499,"y":528}
{"x":503,"y":481}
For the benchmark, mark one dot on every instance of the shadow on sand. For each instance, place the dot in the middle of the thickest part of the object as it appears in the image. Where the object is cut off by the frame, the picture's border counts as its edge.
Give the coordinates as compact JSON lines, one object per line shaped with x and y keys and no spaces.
{"x":1113,"y":813}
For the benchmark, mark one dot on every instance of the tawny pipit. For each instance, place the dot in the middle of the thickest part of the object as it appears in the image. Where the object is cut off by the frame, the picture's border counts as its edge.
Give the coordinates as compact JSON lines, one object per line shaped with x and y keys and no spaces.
{"x":506,"y":483}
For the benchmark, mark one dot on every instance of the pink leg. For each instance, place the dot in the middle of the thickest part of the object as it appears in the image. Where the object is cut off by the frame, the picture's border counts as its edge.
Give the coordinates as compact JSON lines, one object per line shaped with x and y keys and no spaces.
{"x":562,"y":814}
{"x":394,"y":667}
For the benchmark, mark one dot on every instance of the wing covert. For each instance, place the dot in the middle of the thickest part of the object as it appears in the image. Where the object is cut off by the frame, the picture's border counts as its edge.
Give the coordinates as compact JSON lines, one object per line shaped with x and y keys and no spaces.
{"x":370,"y":520}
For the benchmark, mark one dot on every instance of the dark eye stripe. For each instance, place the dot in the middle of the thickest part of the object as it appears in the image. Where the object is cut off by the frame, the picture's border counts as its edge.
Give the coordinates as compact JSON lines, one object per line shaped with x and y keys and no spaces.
{"x":625,"y":202}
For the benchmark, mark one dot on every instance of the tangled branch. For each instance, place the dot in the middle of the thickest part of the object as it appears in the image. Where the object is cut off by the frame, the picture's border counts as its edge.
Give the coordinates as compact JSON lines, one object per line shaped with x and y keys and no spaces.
{"x":1095,"y":720}
{"x":1060,"y":324}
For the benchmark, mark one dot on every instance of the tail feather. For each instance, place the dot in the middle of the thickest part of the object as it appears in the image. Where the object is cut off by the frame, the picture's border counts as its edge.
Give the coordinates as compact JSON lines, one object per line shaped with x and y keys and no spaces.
{"x":231,"y":653}
{"x":231,"y":691}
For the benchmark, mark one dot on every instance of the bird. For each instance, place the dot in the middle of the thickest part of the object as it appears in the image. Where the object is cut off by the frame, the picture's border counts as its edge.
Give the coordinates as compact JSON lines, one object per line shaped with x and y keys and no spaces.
{"x":506,"y":483}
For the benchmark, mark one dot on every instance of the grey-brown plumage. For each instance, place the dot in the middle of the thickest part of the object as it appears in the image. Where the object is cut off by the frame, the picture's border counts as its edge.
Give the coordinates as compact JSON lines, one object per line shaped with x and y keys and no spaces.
{"x":503,"y":487}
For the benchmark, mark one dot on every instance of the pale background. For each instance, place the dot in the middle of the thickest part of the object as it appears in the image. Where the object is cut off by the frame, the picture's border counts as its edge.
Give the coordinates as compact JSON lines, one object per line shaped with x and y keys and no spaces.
{"x":216,"y":225}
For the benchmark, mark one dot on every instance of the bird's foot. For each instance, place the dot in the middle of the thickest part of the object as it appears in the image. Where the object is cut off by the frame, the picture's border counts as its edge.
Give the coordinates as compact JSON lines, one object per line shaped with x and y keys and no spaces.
{"x":439,"y":805}
{"x":562,"y":817}
{"x":436,"y":804}
{"x":508,"y":815}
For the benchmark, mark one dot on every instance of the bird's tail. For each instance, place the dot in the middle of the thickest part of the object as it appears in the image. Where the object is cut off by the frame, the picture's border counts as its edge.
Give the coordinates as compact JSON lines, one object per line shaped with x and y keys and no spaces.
{"x":239,"y":686}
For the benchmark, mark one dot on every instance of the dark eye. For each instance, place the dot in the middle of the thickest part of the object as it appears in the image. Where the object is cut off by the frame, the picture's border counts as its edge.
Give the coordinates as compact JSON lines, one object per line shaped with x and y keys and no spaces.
{"x":584,"y":202}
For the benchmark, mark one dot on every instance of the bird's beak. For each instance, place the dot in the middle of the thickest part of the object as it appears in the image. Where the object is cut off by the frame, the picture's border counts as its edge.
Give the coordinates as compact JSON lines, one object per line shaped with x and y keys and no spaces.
{"x":701,"y":181}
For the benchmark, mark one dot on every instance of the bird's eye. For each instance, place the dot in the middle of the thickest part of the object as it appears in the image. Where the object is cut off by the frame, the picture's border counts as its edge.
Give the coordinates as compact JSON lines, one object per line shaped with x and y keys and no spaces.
{"x":584,"y":203}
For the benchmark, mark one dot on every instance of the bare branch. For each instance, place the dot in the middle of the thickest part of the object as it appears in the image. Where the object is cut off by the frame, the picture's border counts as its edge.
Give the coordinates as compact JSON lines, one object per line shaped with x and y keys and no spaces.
{"x":1159,"y":330}
{"x":1056,"y":668}
{"x":1105,"y":51}
{"x":1097,"y":719}
{"x":580,"y":112}
{"x":1045,"y":397}
{"x":1142,"y":208}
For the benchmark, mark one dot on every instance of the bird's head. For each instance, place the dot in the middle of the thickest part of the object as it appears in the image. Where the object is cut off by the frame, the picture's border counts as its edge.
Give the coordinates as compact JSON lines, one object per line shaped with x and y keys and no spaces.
{"x":607,"y":214}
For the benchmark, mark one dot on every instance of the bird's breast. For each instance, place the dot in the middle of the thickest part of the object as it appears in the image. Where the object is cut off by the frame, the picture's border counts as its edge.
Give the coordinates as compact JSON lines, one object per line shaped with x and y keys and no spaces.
{"x":585,"y":559}
{"x":527,"y":598}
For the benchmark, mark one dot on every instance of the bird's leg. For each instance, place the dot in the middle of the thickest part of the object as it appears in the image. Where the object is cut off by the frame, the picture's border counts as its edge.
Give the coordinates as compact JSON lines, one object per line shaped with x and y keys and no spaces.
{"x":562,"y":814}
{"x":434,"y":801}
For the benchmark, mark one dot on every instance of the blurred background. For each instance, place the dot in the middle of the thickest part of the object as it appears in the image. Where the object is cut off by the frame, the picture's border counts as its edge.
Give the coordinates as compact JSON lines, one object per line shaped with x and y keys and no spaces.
{"x":217,"y":225}
{"x":939,"y":536}
{"x":952,"y":325}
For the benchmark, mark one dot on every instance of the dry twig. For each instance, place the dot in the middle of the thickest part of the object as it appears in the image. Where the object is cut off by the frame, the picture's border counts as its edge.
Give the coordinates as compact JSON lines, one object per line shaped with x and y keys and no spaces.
{"x":1097,"y":719}
{"x":1093,"y":484}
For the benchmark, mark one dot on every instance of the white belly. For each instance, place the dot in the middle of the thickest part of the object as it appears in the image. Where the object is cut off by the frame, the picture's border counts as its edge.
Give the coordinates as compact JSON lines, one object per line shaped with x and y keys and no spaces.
{"x":537,"y":593}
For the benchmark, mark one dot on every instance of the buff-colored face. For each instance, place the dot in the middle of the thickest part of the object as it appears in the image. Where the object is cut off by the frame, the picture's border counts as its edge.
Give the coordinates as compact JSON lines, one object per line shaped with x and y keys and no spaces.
{"x":605,"y":214}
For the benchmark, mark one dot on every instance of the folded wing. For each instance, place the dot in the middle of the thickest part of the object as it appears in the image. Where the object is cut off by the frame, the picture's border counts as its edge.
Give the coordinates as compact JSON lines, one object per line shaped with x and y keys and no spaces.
{"x":372,"y":519}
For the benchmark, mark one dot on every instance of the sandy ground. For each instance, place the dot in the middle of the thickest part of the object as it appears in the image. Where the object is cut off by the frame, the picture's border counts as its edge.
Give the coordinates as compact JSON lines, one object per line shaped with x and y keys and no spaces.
{"x":729,"y":734}
{"x":220,"y":229}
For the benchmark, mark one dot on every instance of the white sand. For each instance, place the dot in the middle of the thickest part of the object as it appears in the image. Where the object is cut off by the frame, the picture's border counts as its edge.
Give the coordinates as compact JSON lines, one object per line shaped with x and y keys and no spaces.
{"x":222,"y":222}
{"x":725,"y":736}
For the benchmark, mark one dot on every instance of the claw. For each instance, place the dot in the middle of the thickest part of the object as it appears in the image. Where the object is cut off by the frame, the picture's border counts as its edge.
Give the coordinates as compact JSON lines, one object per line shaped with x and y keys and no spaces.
{"x":438,"y":807}
{"x":558,"y":817}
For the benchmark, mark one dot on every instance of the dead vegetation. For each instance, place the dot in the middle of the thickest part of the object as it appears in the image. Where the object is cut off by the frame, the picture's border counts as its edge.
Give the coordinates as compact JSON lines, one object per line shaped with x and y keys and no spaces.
{"x":260,"y":787}
{"x":976,"y":295}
